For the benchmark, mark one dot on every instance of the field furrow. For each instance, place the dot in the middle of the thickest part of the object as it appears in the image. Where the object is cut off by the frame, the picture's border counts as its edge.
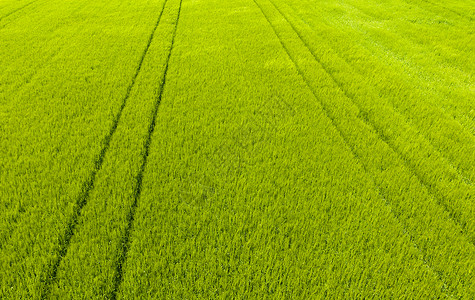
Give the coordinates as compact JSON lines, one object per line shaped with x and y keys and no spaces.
{"x":452,"y":191}
{"x":238,"y":149}
{"x":323,"y":25}
{"x":175,"y":221}
{"x":131,"y":215}
{"x":8,"y":11}
{"x":365,"y":142}
{"x":428,"y":48}
{"x":42,"y":78}
{"x":89,"y":184}
{"x":103,"y":231}
{"x":52,"y":184}
{"x":446,"y":135}
{"x":462,"y":9}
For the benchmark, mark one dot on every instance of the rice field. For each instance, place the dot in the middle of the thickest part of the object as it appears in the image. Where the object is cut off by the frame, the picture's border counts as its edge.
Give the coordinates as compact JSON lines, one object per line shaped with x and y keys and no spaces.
{"x":237,"y":149}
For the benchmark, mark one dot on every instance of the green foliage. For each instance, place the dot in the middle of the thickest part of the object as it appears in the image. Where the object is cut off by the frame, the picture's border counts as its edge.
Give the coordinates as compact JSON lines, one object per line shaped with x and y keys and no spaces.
{"x":209,"y":149}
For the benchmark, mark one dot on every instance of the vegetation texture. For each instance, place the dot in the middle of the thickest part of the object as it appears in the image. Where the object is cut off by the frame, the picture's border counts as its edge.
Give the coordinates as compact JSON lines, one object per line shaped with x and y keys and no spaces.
{"x":237,"y":149}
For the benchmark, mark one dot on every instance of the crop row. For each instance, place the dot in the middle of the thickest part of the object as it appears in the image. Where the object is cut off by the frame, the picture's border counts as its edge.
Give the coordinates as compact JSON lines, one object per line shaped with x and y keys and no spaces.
{"x":68,"y":67}
{"x":427,"y":163}
{"x":395,"y":178}
{"x":10,"y":8}
{"x":429,"y":87}
{"x":235,"y":149}
{"x":98,"y":249}
{"x":255,"y":183}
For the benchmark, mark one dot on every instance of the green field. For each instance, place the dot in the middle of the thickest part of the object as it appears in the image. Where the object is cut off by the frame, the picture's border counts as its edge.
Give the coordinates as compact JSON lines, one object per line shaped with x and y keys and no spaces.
{"x":237,"y":149}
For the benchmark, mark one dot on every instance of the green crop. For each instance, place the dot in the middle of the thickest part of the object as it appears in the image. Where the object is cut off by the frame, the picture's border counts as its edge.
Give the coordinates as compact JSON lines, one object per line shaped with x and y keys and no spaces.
{"x":249,"y":149}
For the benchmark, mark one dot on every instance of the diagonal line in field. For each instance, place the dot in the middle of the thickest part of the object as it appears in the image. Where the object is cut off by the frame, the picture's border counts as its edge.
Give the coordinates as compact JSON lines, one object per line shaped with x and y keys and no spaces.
{"x":88,"y":185}
{"x":351,"y":148}
{"x":432,"y":191}
{"x":18,"y":9}
{"x":118,"y":278}
{"x":446,"y":159}
{"x":401,"y":37}
{"x":447,"y":8}
{"x":446,"y":115}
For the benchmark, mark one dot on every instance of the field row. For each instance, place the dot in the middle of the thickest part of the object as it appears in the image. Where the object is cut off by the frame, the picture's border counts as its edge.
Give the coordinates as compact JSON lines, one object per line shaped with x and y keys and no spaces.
{"x":237,"y":149}
{"x":32,"y":268}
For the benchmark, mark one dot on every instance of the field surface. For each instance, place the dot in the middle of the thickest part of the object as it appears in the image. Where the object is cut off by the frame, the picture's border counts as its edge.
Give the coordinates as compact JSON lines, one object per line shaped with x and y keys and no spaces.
{"x":237,"y":149}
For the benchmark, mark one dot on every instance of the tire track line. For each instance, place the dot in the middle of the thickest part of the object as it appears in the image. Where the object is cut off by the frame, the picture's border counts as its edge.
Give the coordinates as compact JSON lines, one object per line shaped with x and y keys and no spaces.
{"x":26,"y":83}
{"x":118,"y":277}
{"x":17,"y":10}
{"x":353,"y":152}
{"x":88,"y":185}
{"x":433,"y":191}
{"x":449,"y":161}
{"x":447,"y":9}
{"x":414,"y":43}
